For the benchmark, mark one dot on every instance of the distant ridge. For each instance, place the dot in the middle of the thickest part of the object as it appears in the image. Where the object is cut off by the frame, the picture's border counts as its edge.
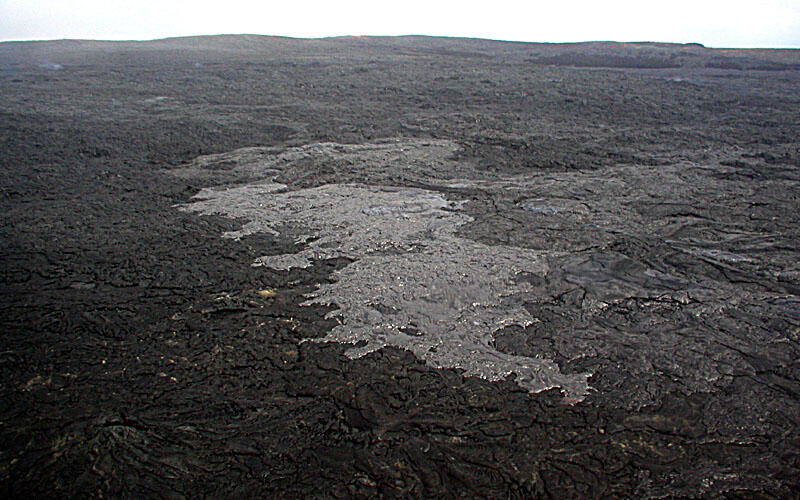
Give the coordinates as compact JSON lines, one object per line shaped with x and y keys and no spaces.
{"x":594,"y":54}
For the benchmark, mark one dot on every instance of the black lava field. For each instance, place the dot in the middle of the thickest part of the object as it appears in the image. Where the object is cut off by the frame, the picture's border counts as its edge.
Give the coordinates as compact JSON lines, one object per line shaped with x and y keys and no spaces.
{"x":413,"y":267}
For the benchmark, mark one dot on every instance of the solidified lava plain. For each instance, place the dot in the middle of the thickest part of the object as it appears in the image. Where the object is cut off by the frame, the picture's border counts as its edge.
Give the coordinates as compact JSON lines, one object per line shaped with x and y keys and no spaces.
{"x":245,"y":266}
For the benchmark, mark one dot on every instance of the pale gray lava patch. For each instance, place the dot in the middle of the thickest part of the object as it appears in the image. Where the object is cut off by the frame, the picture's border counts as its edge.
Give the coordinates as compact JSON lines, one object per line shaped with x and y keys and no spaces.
{"x":383,"y":162}
{"x":412,"y":284}
{"x":625,"y":268}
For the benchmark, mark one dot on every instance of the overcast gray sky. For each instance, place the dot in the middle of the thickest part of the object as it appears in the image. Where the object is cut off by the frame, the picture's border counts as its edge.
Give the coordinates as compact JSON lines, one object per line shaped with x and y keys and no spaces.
{"x":716,"y":23}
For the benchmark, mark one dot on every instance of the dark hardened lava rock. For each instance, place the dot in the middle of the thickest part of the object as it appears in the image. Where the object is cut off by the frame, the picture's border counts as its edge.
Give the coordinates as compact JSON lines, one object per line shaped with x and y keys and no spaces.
{"x":137,"y":359}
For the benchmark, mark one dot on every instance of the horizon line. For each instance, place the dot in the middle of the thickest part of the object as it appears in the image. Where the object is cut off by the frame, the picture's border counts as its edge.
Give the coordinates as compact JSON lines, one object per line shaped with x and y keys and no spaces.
{"x":327,"y":37}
